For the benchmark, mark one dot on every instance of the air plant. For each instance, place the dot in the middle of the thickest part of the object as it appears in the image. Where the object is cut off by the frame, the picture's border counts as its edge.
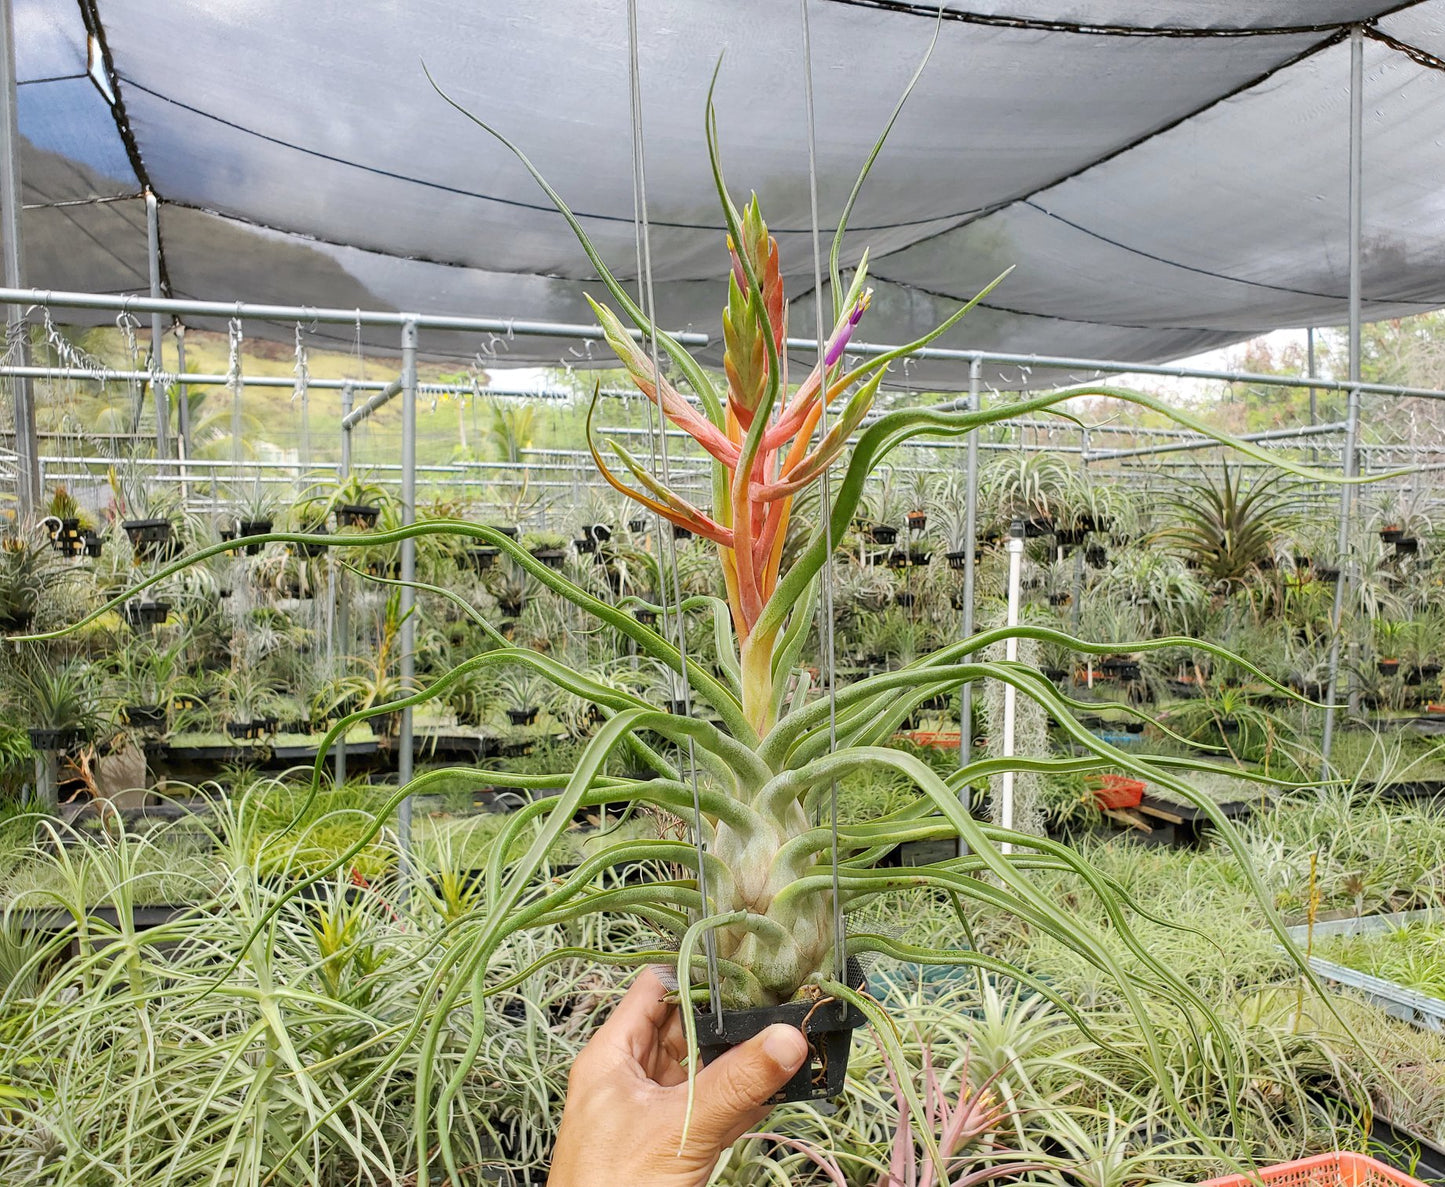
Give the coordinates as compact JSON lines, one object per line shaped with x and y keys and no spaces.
{"x":961,"y":1133}
{"x":762,"y":898}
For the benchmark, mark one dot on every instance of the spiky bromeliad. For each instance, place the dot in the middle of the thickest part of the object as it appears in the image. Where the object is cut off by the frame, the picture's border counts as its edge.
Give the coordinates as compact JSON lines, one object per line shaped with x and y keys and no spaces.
{"x":769,"y":868}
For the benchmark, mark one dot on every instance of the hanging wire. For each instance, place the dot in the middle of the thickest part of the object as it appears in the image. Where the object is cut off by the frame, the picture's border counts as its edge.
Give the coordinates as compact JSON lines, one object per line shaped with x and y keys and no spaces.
{"x":829,"y":657}
{"x":302,"y":371}
{"x":666,"y":539}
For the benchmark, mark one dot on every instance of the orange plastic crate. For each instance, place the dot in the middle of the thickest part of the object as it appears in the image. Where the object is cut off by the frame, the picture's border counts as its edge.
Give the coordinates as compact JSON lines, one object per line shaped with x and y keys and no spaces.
{"x":940,"y":738}
{"x":1342,"y":1168}
{"x":1117,"y":791}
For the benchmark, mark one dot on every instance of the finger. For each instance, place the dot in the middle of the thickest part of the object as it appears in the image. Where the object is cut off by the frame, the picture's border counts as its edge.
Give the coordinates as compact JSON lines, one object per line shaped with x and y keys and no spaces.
{"x":734,"y":1089}
{"x":638,"y":1017}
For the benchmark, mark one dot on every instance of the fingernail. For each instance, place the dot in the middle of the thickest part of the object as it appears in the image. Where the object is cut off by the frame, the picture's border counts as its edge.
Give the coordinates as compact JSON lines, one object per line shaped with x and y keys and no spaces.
{"x":785,"y":1045}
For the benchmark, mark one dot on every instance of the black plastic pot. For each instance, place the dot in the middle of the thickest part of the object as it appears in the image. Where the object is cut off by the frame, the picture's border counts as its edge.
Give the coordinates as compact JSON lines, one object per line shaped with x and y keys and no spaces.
{"x":898,"y":559}
{"x":1391,"y":535}
{"x":147,"y":614}
{"x":311,"y":529}
{"x":256,"y":728}
{"x":92,"y":544}
{"x":1387,"y":667}
{"x":917,"y":521}
{"x":599,"y":532}
{"x":881,"y":533}
{"x":828,"y":1028}
{"x":55,"y":740}
{"x":522,"y":716}
{"x":904,"y":598}
{"x":551,"y":557}
{"x":150,"y":539}
{"x":1057,"y":675}
{"x":1326,"y":573}
{"x":680,"y":533}
{"x":1069,"y":537}
{"x":357,"y":515}
{"x":1096,"y":556}
{"x":957,"y":559}
{"x":511,"y":607}
{"x":145,"y":716}
{"x":645,"y":617}
{"x":637,"y":523}
{"x":1060,"y":599}
{"x":1040,"y":525}
{"x":1407,"y":546}
{"x":254,"y":527}
{"x":479,"y":560}
{"x":585,"y":544}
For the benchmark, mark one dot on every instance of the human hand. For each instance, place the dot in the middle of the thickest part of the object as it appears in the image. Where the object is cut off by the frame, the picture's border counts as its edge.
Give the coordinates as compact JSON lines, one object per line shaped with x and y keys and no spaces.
{"x":627,"y":1096}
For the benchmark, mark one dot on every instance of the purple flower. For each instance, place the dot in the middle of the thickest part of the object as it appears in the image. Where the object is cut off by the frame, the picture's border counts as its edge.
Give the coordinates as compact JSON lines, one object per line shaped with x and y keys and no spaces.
{"x":844,"y":332}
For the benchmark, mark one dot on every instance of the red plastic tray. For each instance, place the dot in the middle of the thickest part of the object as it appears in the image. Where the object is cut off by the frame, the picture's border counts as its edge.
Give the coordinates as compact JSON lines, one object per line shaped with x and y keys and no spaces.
{"x":1339,"y":1169}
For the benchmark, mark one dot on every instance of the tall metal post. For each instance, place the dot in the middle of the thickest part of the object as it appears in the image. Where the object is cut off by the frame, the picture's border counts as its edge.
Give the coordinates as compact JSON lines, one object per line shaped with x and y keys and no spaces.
{"x":27,"y":449}
{"x":158,"y":387}
{"x":1344,"y":586}
{"x":970,"y":542}
{"x":408,"y":574}
{"x":340,"y":602}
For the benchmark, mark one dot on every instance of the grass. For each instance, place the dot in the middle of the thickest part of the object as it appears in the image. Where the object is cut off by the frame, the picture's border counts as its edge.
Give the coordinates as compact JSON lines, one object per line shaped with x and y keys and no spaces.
{"x":1412,"y":955}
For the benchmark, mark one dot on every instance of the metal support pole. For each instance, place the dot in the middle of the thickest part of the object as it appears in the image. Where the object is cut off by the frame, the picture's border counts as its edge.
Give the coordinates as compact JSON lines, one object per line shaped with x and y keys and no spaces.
{"x":340,"y":601}
{"x":1011,"y":654}
{"x":408,"y":575}
{"x":1351,"y":460}
{"x":970,"y":542}
{"x":47,"y":781}
{"x":27,"y":449}
{"x":158,"y":387}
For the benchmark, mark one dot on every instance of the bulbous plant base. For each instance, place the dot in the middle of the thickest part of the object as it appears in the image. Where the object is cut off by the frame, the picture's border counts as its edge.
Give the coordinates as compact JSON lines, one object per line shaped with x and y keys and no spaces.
{"x":827,"y":1025}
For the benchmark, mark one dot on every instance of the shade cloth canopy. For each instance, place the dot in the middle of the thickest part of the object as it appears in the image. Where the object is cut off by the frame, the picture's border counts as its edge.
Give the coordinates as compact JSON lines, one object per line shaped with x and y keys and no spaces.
{"x":1164,"y":176}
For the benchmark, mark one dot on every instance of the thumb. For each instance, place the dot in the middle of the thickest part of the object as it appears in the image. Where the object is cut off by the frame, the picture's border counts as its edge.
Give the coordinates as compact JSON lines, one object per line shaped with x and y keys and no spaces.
{"x":734,"y":1087}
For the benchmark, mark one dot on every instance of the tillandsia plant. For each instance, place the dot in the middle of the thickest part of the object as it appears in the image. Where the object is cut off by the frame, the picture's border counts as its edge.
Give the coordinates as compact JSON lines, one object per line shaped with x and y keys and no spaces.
{"x":764,"y":887}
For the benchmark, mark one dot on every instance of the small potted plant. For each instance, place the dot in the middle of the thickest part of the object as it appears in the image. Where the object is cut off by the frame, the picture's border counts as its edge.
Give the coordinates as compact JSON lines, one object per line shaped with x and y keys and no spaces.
{"x":250,"y":703}
{"x":60,"y":703}
{"x":884,"y":508}
{"x":147,"y":510}
{"x":922,"y":488}
{"x":1391,"y":637}
{"x":521,"y":694}
{"x":548,"y":547}
{"x":254,"y":514}
{"x":29,"y":572}
{"x":145,"y":679}
{"x":358,"y":502}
